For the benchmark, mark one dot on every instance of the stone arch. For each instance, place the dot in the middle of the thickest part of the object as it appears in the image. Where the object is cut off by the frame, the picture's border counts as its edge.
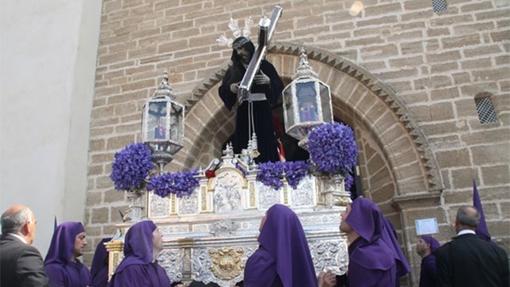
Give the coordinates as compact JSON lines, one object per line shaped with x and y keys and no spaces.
{"x":397,"y":166}
{"x":361,"y":94}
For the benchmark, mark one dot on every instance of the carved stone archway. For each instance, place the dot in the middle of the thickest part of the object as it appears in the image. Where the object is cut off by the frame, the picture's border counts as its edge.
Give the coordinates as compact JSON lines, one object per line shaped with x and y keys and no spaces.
{"x":382,"y":123}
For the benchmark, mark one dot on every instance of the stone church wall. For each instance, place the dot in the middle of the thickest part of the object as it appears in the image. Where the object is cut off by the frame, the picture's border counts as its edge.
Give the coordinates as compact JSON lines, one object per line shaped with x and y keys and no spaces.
{"x":435,"y":63}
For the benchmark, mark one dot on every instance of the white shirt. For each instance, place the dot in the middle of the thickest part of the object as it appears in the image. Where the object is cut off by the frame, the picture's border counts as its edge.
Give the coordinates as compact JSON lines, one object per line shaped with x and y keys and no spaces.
{"x":466,"y":231}
{"x":19,"y":237}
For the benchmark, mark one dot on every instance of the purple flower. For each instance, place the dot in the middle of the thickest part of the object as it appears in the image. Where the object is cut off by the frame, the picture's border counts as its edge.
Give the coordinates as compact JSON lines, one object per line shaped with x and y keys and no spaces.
{"x":180,"y":183}
{"x":131,"y":167}
{"x":333,"y":148}
{"x":348,"y":182}
{"x":271,"y":174}
{"x":295,"y":171}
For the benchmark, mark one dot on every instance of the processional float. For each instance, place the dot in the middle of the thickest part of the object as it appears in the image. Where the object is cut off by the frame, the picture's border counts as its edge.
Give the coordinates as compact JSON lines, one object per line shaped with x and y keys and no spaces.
{"x":210,"y":232}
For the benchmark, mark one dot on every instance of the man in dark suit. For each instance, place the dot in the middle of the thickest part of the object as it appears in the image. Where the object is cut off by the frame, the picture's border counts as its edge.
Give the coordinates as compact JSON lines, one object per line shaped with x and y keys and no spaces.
{"x":20,"y":263}
{"x":468,"y":260}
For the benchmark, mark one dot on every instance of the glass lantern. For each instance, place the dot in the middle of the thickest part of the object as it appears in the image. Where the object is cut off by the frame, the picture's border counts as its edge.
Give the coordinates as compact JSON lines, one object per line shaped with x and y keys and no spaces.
{"x":306,"y":102}
{"x":163,"y":123}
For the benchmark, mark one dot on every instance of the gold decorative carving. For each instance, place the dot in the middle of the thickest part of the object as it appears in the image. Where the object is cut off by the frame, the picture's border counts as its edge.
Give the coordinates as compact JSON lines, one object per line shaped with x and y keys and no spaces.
{"x":115,"y":249}
{"x":226,"y":262}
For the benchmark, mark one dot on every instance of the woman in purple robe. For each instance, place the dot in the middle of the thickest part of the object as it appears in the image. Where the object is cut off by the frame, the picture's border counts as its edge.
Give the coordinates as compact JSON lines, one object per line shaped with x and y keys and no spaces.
{"x":61,"y":263}
{"x":389,"y":236}
{"x":375,"y":258}
{"x":99,"y":268}
{"x":425,"y":247}
{"x":283,"y":257}
{"x":139,"y":267}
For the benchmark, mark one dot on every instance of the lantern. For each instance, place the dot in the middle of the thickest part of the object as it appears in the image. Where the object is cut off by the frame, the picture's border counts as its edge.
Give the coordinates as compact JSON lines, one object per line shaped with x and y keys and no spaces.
{"x":163,"y":123}
{"x":306,"y":102}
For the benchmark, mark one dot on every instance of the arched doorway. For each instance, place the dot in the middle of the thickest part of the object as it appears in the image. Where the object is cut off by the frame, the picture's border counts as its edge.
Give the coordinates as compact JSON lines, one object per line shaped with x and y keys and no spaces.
{"x":398,"y":170}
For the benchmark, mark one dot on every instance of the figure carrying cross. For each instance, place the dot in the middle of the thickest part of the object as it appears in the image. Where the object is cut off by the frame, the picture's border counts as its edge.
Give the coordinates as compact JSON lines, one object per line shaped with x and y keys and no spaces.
{"x":253,"y":83}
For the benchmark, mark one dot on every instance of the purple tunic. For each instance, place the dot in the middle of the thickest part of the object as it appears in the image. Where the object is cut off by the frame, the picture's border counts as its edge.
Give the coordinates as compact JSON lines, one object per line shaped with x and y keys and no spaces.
{"x":62,"y":271}
{"x":428,"y":273}
{"x":137,"y":268}
{"x":370,"y":265}
{"x":389,"y":236}
{"x":283,"y":257}
{"x":99,"y":268}
{"x":372,"y":260}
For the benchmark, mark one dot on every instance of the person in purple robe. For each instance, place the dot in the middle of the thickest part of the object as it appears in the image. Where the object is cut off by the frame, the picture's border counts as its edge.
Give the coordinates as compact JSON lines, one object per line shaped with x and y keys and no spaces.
{"x":61,"y":263}
{"x":425,"y":247}
{"x":375,"y":258}
{"x":389,"y":236}
{"x":139,"y":267}
{"x":283,"y":257}
{"x":99,"y":268}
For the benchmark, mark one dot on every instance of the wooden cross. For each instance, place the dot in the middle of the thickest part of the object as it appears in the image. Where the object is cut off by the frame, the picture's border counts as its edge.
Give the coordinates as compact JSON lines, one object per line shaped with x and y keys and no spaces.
{"x":267,"y":28}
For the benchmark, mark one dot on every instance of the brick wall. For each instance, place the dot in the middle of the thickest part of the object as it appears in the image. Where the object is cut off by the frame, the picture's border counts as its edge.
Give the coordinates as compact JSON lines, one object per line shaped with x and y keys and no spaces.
{"x":435,"y":64}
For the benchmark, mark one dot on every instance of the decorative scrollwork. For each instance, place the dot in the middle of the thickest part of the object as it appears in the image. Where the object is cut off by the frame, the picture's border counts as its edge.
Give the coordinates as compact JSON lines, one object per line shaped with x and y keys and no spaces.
{"x":224,"y":227}
{"x":159,"y":207}
{"x":303,"y":194}
{"x":172,"y":261}
{"x":330,"y":255}
{"x":201,"y":265}
{"x":189,"y":205}
{"x":267,"y":196}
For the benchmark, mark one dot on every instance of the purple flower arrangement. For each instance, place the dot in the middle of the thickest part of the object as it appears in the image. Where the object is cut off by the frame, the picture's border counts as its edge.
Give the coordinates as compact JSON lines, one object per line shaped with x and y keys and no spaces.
{"x":272,"y":173}
{"x":332,"y":148}
{"x":181,"y":183}
{"x":131,"y":166}
{"x":295,"y":171}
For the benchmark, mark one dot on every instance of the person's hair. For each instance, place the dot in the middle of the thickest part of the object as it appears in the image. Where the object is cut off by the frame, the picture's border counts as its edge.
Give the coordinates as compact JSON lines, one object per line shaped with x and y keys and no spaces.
{"x":468,"y":218}
{"x":12,"y":222}
{"x":175,"y":283}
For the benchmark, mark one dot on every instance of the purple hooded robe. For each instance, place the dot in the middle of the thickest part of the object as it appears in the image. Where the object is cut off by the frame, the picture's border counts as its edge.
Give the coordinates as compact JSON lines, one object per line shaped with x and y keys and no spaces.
{"x":283,"y":257}
{"x":375,"y":258}
{"x":62,"y":271}
{"x":99,"y":268}
{"x":428,"y":273}
{"x":137,"y":268}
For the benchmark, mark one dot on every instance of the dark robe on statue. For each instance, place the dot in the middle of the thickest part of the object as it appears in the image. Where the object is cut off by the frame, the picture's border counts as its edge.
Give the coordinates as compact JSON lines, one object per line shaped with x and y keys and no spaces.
{"x":137,"y":268}
{"x":428,"y":273}
{"x":266,"y":139}
{"x":62,"y":271}
{"x":99,"y":268}
{"x":375,"y":258}
{"x":283,"y":257}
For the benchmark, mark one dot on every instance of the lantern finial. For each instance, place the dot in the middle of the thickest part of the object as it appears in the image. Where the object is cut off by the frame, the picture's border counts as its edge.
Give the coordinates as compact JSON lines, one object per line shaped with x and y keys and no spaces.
{"x":164,"y":88}
{"x":304,"y":69}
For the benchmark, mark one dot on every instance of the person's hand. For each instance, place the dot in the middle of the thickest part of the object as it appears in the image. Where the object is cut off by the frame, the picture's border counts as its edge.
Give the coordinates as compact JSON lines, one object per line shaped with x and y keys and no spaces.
{"x":234,"y":88}
{"x":327,"y":279}
{"x":261,"y":79}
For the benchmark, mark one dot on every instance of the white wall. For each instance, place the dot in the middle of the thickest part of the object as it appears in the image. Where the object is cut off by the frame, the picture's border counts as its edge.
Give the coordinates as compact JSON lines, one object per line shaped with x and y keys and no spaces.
{"x":48,"y":54}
